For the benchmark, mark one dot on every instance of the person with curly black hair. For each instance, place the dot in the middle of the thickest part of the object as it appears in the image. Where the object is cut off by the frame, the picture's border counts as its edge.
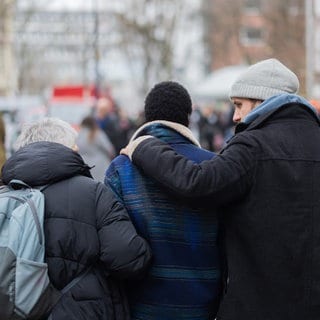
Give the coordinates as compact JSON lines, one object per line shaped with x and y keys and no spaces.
{"x":184,"y":279}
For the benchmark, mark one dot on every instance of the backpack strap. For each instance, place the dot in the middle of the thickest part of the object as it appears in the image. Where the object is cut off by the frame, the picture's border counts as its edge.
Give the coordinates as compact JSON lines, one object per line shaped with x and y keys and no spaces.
{"x":75,"y":280}
{"x":71,"y":284}
{"x":36,"y":219}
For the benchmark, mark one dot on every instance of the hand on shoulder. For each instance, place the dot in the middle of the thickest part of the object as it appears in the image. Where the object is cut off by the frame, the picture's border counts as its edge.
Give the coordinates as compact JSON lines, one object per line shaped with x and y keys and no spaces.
{"x":132,"y":145}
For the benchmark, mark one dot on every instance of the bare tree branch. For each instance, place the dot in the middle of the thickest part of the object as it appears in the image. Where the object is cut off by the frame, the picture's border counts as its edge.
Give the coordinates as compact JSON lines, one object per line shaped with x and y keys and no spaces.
{"x":147,"y":31}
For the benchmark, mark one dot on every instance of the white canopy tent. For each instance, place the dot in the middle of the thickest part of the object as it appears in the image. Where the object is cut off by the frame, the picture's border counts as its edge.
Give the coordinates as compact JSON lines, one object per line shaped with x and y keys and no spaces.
{"x":217,"y":85}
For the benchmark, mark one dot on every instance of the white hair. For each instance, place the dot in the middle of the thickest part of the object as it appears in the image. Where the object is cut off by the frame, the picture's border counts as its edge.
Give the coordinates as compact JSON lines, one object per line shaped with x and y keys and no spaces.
{"x":47,"y":129}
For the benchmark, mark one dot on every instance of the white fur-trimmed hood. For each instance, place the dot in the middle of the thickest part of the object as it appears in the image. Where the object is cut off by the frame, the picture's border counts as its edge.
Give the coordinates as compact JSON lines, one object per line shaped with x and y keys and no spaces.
{"x":183,"y":130}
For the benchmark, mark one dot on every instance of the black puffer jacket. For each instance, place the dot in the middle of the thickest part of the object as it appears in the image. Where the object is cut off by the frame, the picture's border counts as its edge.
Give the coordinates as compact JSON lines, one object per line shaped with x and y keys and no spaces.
{"x":267,"y":178}
{"x":84,"y":226}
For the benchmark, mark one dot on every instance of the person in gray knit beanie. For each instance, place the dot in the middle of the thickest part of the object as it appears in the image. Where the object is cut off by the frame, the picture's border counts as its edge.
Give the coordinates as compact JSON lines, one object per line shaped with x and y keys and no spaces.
{"x":264,"y":80}
{"x":265,"y":183}
{"x":261,"y":81}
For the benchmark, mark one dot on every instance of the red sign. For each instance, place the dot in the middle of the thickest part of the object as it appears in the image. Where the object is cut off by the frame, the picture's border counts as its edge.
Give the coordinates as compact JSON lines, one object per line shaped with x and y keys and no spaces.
{"x":72,"y":92}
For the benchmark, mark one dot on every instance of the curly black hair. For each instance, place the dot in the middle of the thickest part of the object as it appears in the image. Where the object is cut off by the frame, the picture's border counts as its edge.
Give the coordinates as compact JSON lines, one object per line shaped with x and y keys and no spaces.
{"x":169,"y":101}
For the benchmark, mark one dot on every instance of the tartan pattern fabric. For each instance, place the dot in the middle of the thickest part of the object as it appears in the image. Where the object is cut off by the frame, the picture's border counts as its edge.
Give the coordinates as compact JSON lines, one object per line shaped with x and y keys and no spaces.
{"x":184,"y":279}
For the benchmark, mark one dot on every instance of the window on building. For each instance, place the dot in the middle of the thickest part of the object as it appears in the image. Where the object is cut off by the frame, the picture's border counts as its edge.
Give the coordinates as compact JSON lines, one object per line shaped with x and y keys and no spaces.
{"x":252,"y":6}
{"x":251,"y":36}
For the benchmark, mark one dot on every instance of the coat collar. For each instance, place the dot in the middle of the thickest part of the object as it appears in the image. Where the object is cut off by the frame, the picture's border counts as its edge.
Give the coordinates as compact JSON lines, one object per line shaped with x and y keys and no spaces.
{"x":181,"y":129}
{"x":285,"y":107}
{"x":274,"y":103}
{"x":41,"y":163}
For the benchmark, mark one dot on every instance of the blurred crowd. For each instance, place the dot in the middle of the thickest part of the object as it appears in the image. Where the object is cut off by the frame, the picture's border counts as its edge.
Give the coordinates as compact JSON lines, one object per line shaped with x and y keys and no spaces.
{"x":108,"y":128}
{"x":211,"y":127}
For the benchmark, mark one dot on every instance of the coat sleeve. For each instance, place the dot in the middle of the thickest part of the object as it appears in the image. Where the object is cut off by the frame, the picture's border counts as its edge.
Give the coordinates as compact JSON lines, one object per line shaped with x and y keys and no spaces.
{"x":225,"y":178}
{"x":112,"y":179}
{"x":124,"y":253}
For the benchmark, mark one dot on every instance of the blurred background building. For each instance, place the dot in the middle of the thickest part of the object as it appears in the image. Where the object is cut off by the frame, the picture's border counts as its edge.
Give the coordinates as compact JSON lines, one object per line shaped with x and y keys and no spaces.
{"x":120,"y":49}
{"x":245,"y":31}
{"x":116,"y":44}
{"x":127,"y":46}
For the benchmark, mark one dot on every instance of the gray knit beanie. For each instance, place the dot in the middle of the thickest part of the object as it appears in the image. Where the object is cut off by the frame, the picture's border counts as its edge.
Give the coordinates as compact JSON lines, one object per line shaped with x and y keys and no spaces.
{"x":264,"y":80}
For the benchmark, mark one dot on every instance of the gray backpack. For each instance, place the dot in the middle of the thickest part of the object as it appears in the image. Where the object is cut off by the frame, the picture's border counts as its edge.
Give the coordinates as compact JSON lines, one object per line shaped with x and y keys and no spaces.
{"x":25,"y":288}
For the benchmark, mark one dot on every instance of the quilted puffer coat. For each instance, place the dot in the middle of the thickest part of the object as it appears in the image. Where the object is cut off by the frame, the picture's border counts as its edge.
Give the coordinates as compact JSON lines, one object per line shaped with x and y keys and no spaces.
{"x":85,"y":226}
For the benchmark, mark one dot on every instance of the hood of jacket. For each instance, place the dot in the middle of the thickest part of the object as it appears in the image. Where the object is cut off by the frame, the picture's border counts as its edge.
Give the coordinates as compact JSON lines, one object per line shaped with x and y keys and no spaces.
{"x":276,"y":102}
{"x":280,"y":104}
{"x":42,"y":163}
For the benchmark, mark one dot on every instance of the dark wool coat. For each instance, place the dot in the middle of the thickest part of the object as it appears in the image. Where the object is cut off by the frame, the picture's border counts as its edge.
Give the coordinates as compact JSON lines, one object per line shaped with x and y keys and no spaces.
{"x":84,"y":226}
{"x":268,"y":180}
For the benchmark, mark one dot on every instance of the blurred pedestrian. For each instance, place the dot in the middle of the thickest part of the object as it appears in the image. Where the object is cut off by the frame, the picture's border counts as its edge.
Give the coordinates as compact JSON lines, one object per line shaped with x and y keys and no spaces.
{"x":86,"y":228}
{"x":184,"y":279}
{"x":108,"y":120}
{"x":267,"y":180}
{"x":126,"y":128}
{"x":95,"y":147}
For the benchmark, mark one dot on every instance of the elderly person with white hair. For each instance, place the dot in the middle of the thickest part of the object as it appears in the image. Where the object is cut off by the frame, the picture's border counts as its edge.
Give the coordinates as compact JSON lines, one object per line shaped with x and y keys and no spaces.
{"x":85,"y":226}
